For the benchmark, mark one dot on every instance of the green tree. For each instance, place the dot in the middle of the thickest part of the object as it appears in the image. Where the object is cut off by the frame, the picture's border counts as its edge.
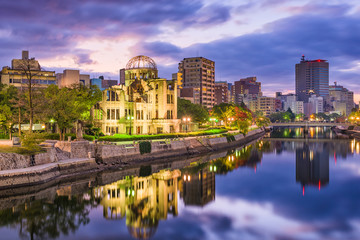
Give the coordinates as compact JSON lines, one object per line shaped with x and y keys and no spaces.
{"x":61,"y":107}
{"x":196,"y":112}
{"x":224,"y":111}
{"x":262,"y":121}
{"x":7,"y":108}
{"x":276,"y":117}
{"x":290,"y":113}
{"x":85,"y":99}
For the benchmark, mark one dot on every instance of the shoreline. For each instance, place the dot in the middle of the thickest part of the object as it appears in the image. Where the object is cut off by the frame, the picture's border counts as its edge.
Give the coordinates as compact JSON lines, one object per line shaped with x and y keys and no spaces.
{"x":112,"y":157}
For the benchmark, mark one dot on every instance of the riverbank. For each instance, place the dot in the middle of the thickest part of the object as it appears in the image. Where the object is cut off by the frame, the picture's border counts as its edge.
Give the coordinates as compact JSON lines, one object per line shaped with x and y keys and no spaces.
{"x":87,"y":158}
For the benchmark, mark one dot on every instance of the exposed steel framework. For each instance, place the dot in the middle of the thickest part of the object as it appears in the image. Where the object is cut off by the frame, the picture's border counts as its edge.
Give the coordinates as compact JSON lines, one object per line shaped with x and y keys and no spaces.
{"x":141,"y":61}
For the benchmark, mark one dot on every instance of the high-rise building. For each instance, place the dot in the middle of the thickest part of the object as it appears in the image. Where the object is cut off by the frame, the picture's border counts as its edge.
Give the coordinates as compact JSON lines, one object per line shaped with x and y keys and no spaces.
{"x":246,"y":87}
{"x":21,"y":69}
{"x":311,"y":77}
{"x":198,"y":77}
{"x":341,"y":99}
{"x":221,"y":92}
{"x":72,"y":77}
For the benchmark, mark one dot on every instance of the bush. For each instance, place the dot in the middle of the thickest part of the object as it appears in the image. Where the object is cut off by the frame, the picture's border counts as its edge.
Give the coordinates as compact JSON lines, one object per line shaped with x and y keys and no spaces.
{"x":230,"y":138}
{"x":145,"y":147}
{"x":4,"y":136}
{"x":89,"y":137}
{"x":56,"y":136}
{"x":125,"y":137}
{"x":31,"y":140}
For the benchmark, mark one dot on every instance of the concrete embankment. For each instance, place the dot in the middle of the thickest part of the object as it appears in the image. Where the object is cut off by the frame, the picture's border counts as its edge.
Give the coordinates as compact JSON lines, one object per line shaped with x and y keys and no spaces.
{"x":66,"y":159}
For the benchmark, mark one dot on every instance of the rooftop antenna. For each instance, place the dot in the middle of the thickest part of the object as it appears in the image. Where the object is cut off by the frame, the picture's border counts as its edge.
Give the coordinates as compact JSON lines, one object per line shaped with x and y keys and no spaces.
{"x":303,"y":58}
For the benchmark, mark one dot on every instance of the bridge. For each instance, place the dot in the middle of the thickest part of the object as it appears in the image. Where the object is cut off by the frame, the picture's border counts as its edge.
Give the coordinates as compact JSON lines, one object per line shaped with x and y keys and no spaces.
{"x":307,"y":124}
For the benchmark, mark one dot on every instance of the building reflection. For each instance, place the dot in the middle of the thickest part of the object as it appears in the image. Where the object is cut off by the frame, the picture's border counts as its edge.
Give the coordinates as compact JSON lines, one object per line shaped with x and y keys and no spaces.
{"x":312,"y":166}
{"x":142,"y":200}
{"x":299,"y":132}
{"x":198,"y":186}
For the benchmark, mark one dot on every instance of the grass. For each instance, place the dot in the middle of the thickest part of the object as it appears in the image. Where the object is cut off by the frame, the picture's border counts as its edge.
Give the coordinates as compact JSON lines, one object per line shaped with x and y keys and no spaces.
{"x":19,"y":150}
{"x":125,"y":137}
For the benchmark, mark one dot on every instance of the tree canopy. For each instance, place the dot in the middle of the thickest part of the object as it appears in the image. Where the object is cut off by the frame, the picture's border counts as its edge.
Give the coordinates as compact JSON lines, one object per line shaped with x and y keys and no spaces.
{"x":196,"y":112}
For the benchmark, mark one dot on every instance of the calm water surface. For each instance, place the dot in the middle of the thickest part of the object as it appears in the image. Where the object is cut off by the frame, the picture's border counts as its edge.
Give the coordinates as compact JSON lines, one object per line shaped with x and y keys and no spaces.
{"x":291,"y":186}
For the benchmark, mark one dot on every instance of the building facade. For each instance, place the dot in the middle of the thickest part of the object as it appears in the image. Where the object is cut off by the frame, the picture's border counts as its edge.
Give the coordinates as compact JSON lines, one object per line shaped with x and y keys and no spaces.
{"x":311,"y":77}
{"x":221,"y":93}
{"x":266,"y":105}
{"x":198,"y":76}
{"x":103,"y":83}
{"x":72,"y":77}
{"x":315,"y":105}
{"x":341,"y":99}
{"x":246,"y":87}
{"x":296,"y":107}
{"x":146,"y":104}
{"x":22,"y":69}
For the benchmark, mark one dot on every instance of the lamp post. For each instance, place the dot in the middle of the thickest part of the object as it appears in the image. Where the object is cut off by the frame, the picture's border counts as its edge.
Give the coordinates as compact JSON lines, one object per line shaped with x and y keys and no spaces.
{"x":52,"y":121}
{"x":130,"y":118}
{"x":186,"y":120}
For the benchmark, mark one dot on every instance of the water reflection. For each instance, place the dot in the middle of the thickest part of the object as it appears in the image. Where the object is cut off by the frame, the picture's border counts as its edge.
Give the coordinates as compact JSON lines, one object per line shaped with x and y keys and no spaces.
{"x":198,"y":184}
{"x":140,"y":199}
{"x":300,"y":132}
{"x":43,"y":219}
{"x":312,"y":166}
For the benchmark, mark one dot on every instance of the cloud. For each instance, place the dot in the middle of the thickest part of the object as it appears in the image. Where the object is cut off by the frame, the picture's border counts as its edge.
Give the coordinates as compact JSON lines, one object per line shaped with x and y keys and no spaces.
{"x":271,"y":54}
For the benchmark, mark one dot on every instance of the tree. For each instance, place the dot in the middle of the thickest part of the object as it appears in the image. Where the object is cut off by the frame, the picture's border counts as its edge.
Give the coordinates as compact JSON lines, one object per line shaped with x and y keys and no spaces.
{"x":30,"y":69}
{"x":7,"y":108}
{"x":243,"y":119}
{"x":262,"y":121}
{"x":223,"y":112}
{"x":290,"y":114}
{"x":276,"y":117}
{"x":61,"y":107}
{"x":86,"y":98}
{"x":196,"y":111}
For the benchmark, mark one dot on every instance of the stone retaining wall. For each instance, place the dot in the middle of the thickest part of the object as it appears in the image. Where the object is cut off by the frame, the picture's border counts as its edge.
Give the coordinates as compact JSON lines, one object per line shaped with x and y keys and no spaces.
{"x":110,"y":154}
{"x":40,"y":174}
{"x":55,"y":168}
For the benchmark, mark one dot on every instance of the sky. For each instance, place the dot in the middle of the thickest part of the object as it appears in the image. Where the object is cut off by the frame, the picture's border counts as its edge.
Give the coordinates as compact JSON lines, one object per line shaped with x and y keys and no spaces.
{"x":262,"y":38}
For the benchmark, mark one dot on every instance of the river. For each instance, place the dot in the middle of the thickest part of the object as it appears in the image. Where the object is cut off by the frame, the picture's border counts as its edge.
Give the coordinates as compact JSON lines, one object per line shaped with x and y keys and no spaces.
{"x":288,"y":185}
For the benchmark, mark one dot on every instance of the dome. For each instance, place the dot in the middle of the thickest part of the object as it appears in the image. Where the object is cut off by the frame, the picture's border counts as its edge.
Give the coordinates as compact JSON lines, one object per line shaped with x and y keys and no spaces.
{"x":141,"y":61}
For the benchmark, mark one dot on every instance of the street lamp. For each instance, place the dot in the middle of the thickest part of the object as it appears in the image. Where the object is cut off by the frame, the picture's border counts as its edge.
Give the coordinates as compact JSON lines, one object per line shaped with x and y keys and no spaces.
{"x":52,"y":121}
{"x":130,"y":118}
{"x":186,"y":120}
{"x":213,"y":120}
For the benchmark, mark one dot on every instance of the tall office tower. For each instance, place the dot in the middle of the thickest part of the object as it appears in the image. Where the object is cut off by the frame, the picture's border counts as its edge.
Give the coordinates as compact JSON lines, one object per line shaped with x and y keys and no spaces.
{"x":247,"y":87}
{"x":311,"y":77}
{"x":221,"y":92}
{"x":198,"y":78}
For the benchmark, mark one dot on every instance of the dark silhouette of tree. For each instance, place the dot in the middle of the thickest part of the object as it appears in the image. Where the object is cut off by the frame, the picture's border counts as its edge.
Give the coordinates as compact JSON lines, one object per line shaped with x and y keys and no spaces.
{"x":42,"y":219}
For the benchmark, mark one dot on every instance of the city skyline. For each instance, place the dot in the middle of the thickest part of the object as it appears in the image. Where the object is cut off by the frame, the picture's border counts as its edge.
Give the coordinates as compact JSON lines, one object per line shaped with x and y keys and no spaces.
{"x":263,"y":39}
